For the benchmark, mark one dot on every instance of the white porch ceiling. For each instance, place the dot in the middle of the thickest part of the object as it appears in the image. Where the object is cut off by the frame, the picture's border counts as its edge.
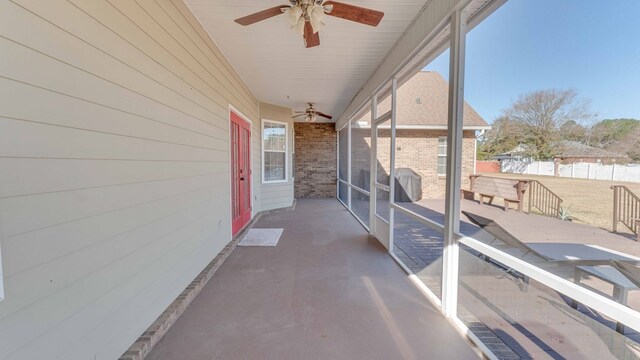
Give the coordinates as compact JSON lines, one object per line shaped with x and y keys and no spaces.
{"x":272,"y":60}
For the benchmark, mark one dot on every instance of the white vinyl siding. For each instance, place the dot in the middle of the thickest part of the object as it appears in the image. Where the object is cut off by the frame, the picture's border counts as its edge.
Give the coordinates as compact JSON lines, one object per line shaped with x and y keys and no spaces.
{"x":274,"y":151}
{"x":442,"y":156}
{"x":276,"y":195}
{"x":114,"y":150}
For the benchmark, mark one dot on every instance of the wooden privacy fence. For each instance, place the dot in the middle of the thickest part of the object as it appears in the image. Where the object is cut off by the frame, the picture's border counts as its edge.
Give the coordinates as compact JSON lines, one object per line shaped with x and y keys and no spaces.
{"x":543,"y":199}
{"x":626,"y":208}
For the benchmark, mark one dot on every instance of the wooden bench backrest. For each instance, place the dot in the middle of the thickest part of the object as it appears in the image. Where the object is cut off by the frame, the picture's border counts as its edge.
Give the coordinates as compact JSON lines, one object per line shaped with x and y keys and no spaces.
{"x":503,"y":188}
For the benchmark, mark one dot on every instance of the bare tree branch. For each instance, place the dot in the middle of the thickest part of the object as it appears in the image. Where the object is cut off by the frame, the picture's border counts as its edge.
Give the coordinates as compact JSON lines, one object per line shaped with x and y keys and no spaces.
{"x":541,"y":114}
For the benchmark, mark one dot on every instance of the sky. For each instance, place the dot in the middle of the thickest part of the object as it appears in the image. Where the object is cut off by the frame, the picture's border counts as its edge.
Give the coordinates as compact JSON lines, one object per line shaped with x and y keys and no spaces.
{"x":590,"y":46}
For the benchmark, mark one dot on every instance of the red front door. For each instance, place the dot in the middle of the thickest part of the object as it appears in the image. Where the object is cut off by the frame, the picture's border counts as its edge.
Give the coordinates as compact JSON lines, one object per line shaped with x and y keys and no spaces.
{"x":240,"y":173}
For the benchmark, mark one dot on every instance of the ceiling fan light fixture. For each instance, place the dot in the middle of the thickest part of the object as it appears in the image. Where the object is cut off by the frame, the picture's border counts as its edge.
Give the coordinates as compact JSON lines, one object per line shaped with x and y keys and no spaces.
{"x":301,"y":12}
{"x":299,"y":26}
{"x":293,"y":14}
{"x":315,"y":18}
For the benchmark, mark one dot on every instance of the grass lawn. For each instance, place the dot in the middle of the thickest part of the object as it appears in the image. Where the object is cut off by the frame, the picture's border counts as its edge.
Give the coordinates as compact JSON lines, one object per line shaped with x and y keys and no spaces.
{"x":591,"y":201}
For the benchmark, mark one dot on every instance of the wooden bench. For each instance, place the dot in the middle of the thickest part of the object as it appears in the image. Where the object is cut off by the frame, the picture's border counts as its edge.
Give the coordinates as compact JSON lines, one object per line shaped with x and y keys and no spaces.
{"x":511,"y":190}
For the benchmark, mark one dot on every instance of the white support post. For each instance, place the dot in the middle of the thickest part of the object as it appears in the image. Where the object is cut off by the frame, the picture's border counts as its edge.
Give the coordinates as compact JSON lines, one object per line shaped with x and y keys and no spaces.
{"x":349,"y":165}
{"x":392,"y":160}
{"x":573,"y":166}
{"x":454,"y":165}
{"x":475,"y":155}
{"x":338,"y":165}
{"x":373,"y":168}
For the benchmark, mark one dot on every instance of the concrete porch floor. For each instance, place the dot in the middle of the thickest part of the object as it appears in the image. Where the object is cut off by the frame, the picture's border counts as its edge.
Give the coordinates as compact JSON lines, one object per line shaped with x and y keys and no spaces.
{"x":327,"y":291}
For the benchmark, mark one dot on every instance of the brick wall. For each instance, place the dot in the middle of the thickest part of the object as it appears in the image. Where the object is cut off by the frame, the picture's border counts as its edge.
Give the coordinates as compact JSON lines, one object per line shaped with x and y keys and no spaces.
{"x":415,"y":149}
{"x":487,"y":167}
{"x":315,"y":160}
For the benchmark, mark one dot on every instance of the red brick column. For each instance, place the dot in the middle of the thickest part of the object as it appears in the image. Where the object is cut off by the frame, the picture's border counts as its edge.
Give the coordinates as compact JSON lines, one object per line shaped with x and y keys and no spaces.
{"x":315,"y":160}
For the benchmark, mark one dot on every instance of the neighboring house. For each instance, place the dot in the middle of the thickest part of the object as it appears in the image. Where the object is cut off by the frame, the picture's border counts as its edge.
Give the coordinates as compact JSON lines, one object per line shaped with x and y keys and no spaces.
{"x":420,"y":135}
{"x":567,"y":152}
{"x":575,"y":152}
{"x":520,"y":152}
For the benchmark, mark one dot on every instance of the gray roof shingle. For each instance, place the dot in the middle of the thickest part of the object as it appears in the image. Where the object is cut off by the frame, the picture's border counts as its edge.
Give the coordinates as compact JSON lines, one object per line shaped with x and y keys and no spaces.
{"x":423,"y":101}
{"x":574,"y":149}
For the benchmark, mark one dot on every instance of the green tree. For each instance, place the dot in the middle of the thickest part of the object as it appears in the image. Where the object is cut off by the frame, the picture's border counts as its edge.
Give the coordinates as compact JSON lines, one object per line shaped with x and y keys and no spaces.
{"x":608,"y":131}
{"x":573,"y":131}
{"x":503,"y":136}
{"x":540,"y":116}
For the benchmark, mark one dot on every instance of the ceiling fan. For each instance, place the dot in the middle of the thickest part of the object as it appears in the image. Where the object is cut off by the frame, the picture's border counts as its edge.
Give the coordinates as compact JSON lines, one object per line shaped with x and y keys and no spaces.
{"x":311,"y":114}
{"x":306,"y":16}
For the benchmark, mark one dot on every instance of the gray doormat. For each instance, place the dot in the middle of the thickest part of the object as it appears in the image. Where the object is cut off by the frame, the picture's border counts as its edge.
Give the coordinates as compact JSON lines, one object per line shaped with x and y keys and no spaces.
{"x":261,"y":237}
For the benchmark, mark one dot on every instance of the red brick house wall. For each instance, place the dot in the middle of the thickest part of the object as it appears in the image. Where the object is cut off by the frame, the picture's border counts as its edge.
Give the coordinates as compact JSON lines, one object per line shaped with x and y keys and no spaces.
{"x":487,"y":167}
{"x":415,"y":149}
{"x":315,"y":160}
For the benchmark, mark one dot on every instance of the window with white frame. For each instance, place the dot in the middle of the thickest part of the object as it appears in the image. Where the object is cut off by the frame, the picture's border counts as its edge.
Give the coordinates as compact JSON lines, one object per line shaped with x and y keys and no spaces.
{"x":442,"y":156}
{"x":274,"y":151}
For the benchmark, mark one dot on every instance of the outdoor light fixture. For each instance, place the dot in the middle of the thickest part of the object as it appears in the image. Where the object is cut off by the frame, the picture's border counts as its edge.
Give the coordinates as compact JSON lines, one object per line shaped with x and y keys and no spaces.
{"x":307,"y":11}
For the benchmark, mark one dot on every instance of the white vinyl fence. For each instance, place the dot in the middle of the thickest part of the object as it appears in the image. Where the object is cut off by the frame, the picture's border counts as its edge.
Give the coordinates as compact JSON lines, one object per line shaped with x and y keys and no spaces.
{"x":628,"y":173}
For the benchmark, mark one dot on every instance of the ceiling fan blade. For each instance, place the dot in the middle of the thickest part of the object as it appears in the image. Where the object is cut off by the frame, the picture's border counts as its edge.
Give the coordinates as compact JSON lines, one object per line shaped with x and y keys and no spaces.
{"x":310,"y":39}
{"x":355,"y":13}
{"x":260,"y":15}
{"x":299,"y":115}
{"x":300,"y":112}
{"x":324,"y":115}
